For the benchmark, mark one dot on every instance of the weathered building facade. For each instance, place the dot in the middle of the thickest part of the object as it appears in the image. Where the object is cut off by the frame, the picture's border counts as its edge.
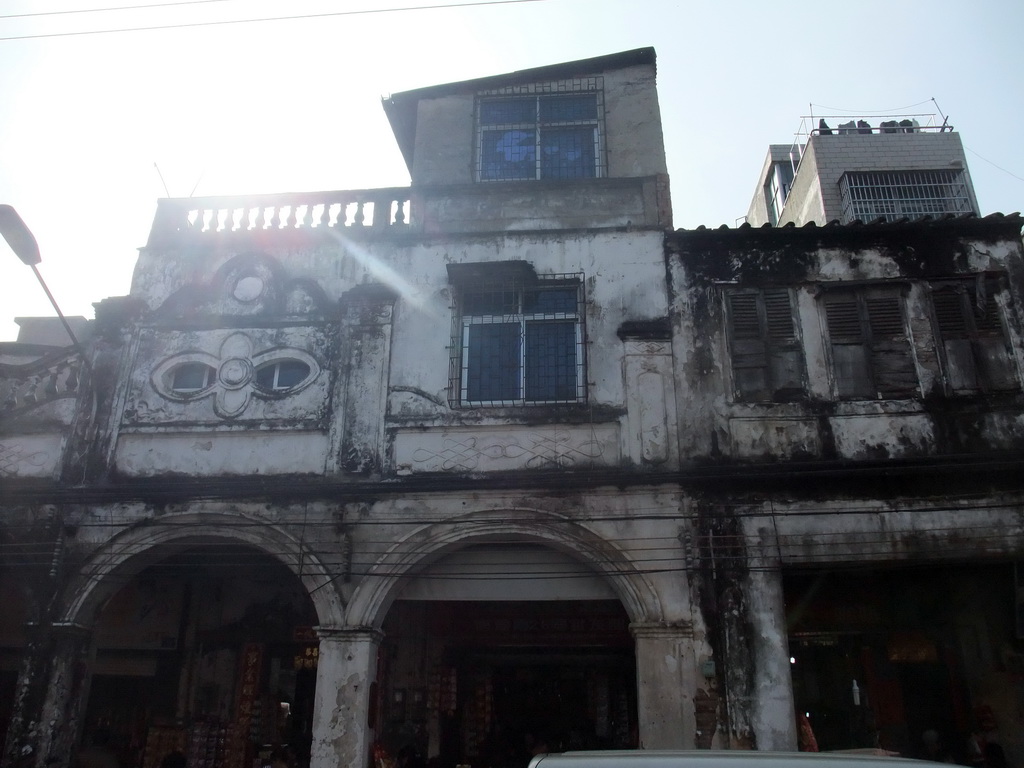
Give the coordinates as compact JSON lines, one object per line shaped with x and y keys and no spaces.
{"x":379,"y":467}
{"x":498,"y":462}
{"x":854,"y":410}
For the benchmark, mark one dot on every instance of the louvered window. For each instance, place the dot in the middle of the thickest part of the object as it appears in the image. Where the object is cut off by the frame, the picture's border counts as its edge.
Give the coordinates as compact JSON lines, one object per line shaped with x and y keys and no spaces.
{"x":871,"y":352}
{"x":970,"y":330}
{"x":767,"y":364}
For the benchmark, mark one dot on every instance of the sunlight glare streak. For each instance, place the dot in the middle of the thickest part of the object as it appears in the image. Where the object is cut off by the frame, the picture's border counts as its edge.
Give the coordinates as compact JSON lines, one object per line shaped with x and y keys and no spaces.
{"x":384,"y":273}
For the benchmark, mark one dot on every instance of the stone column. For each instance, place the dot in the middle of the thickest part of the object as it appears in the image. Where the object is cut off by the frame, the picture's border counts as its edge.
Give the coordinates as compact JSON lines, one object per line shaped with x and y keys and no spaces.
{"x":50,"y":697}
{"x":665,"y":683}
{"x":342,"y":732}
{"x":772,"y":713}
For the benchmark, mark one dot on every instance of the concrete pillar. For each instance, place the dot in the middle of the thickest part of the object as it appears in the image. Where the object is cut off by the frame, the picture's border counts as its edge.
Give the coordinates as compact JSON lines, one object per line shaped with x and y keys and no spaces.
{"x":346,"y":669}
{"x":665,"y":684}
{"x":772,"y":714}
{"x":363,"y":390}
{"x":50,"y":698}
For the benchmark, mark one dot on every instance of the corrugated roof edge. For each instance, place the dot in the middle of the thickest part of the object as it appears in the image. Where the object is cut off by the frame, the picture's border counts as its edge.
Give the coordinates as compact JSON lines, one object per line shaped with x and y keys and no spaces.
{"x":400,"y":108}
{"x":1009,"y":219}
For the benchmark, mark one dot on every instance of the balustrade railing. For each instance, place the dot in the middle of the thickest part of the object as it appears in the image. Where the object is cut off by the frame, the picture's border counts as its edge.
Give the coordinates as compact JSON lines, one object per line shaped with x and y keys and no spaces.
{"x":374,"y":210}
{"x":32,"y":384}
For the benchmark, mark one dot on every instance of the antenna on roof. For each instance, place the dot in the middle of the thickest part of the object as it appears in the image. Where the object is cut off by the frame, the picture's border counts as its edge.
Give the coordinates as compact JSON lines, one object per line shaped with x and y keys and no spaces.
{"x":190,"y":194}
{"x":944,"y":118}
{"x":166,"y":191}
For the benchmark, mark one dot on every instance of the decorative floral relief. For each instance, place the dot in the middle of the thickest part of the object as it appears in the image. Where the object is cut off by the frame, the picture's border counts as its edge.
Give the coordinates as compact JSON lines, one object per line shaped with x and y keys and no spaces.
{"x":231,"y":376}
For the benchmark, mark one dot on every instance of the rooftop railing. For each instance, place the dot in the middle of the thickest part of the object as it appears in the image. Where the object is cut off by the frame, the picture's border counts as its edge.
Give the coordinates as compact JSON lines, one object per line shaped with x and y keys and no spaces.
{"x":350,"y":210}
{"x":844,"y":125}
{"x":415,"y":210}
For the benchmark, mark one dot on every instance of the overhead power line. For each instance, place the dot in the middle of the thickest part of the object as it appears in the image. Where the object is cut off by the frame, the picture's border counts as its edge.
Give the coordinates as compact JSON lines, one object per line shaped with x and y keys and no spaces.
{"x":866,"y":112}
{"x":650,"y":555}
{"x":113,"y":8}
{"x":979,"y":502}
{"x":998,"y":167}
{"x":290,"y":17}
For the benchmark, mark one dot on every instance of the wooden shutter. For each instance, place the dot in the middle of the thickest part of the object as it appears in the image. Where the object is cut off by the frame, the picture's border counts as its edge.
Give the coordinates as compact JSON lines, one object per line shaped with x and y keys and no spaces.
{"x":892,"y":360}
{"x":954,"y":325}
{"x":767,"y":361}
{"x":747,"y":345}
{"x":971,"y":331}
{"x":849,"y":351}
{"x":785,"y":354}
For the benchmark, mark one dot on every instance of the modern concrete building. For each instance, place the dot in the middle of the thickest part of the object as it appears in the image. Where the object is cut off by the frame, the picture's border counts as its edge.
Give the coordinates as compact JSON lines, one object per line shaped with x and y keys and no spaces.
{"x":895,"y":169}
{"x":499,"y":462}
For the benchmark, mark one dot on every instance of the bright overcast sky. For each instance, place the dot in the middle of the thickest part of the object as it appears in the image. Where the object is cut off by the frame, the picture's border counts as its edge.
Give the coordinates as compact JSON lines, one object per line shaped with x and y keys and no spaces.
{"x":293,"y":105}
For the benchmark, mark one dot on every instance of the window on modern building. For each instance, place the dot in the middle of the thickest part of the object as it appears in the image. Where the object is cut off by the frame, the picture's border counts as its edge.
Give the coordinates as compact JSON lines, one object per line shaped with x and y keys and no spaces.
{"x":281,"y":375}
{"x":777,"y":187}
{"x":188,"y":378}
{"x":767,"y":360}
{"x":894,"y":195}
{"x":526,"y":135}
{"x":975,"y":353}
{"x":871,"y":351}
{"x":519,"y":342}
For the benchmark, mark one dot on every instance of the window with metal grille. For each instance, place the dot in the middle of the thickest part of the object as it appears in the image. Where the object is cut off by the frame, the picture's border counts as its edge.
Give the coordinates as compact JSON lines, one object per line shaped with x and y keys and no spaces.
{"x":975,"y":354}
{"x":519,"y":343}
{"x":871,"y":352}
{"x":541,"y":132}
{"x":894,"y":195}
{"x":767,"y":360}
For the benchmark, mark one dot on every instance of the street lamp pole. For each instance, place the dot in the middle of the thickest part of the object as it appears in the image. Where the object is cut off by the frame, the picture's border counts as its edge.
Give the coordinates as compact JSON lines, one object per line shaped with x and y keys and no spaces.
{"x":23,"y":243}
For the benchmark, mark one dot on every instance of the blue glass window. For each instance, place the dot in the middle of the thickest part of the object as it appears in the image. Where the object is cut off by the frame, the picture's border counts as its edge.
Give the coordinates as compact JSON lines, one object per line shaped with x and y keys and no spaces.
{"x":545,"y":136}
{"x":522,"y":345}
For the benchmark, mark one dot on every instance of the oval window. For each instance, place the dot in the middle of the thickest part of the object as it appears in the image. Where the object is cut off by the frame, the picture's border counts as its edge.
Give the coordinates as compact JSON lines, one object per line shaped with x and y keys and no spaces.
{"x":191,"y":377}
{"x":281,"y":375}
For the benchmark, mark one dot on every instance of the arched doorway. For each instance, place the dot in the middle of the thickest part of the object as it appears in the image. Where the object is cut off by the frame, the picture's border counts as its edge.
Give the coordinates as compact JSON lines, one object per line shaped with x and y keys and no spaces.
{"x":497,"y":650}
{"x":208,"y":649}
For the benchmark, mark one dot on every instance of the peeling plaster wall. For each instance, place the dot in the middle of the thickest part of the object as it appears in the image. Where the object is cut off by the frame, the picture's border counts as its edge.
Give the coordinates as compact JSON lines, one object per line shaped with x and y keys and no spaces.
{"x":784,"y":490}
{"x":820,"y":424}
{"x":367,"y":355}
{"x":622,"y":273}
